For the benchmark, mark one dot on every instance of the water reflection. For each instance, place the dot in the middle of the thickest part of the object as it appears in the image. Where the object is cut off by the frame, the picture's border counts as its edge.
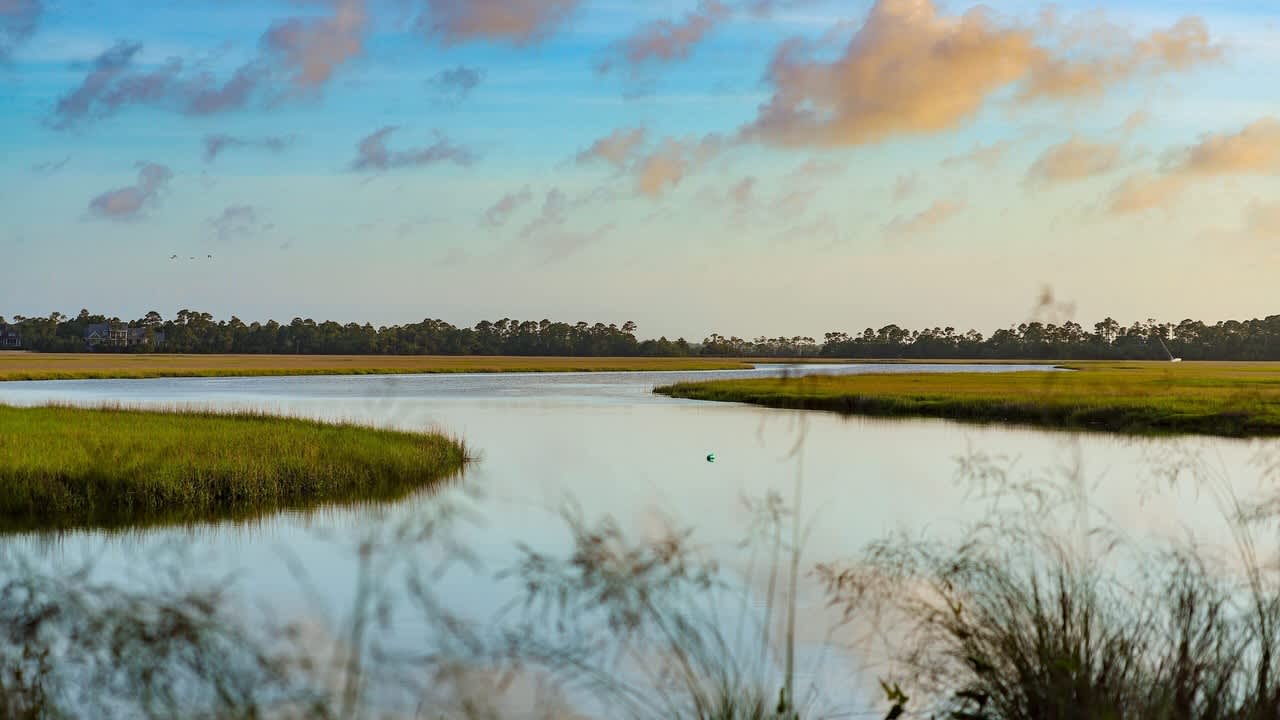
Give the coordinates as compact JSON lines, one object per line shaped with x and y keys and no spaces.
{"x":606,"y":444}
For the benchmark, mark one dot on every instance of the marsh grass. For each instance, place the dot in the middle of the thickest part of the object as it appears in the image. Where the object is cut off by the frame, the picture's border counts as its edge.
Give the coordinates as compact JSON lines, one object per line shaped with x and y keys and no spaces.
{"x":98,"y":366}
{"x":1027,"y":617}
{"x":1228,"y":399}
{"x":650,"y":629}
{"x":74,"y":647}
{"x":64,"y":468}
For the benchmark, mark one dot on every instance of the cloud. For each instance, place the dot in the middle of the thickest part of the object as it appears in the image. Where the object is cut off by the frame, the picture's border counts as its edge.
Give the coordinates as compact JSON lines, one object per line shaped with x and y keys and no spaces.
{"x":309,"y":51}
{"x":906,"y":70}
{"x":296,"y":56}
{"x":216,"y":144}
{"x":499,"y":213}
{"x":665,"y":41}
{"x":742,"y":193}
{"x":766,"y":8}
{"x":548,"y":230}
{"x":1136,"y":120}
{"x":910,"y":69}
{"x":794,"y":203}
{"x":1075,"y":159}
{"x":372,"y":153}
{"x":931,"y":217}
{"x":986,"y":157}
{"x":561,"y":244}
{"x":1115,"y":57}
{"x":455,"y":84}
{"x":520,"y":22}
{"x":1145,"y":192}
{"x":616,"y":149}
{"x":555,"y":212}
{"x":654,"y":170}
{"x":128,"y":203}
{"x":18,"y":21}
{"x":1253,"y":150}
{"x":905,"y":186}
{"x":236,"y":221}
{"x":815,"y":169}
{"x":667,"y":165}
{"x":49,"y":167}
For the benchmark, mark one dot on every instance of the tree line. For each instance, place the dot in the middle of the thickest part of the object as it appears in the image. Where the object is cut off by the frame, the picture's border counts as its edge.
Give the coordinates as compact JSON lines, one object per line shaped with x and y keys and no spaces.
{"x":197,"y":332}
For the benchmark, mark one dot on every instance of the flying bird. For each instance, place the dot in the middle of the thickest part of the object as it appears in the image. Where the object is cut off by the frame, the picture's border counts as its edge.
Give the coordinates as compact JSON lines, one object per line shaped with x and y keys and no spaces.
{"x":173,"y":257}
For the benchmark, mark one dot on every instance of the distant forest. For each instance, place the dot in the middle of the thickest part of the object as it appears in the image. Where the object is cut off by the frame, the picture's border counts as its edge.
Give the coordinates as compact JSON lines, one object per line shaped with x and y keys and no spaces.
{"x":198,"y":332}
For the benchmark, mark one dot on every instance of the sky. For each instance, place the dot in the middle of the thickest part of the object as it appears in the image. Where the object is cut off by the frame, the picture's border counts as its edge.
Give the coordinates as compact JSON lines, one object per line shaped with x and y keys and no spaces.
{"x":747,"y":167}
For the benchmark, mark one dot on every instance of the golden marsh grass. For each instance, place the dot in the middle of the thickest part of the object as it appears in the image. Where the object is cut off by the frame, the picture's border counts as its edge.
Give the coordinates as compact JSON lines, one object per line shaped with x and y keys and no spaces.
{"x":85,"y":366}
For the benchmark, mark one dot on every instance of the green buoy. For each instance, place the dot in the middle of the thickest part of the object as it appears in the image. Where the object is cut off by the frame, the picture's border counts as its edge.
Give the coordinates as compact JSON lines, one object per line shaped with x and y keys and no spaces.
{"x":711,"y":457}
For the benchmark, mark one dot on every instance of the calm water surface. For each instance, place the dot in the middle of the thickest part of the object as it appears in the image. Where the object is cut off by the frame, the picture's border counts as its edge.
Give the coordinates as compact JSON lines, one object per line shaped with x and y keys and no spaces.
{"x":606,"y":444}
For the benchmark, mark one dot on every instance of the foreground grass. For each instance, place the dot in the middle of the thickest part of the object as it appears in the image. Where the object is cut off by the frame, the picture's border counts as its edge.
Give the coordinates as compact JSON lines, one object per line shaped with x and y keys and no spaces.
{"x":92,"y":366}
{"x":64,"y":468}
{"x":1230,"y":399}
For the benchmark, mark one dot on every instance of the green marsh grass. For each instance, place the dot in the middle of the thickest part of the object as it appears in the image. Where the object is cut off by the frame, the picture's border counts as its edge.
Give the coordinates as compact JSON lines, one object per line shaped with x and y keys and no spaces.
{"x":66,"y":468}
{"x":1229,"y":399}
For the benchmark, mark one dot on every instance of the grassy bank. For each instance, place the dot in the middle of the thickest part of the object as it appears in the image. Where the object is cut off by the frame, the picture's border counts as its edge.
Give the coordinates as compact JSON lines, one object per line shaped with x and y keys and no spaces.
{"x":87,"y":366}
{"x":1231,"y":399}
{"x":64,"y":468}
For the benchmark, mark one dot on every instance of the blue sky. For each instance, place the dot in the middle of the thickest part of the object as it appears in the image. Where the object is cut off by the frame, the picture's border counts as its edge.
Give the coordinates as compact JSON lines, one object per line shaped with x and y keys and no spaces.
{"x":793,"y":166}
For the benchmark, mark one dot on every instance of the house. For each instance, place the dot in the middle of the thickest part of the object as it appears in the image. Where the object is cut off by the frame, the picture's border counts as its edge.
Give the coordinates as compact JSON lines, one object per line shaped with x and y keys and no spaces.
{"x":113,"y":334}
{"x":120,"y":335}
{"x":10,"y":337}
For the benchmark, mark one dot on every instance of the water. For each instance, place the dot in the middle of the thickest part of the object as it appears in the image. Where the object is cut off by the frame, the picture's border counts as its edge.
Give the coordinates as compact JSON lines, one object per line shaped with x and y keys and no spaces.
{"x":603,"y":443}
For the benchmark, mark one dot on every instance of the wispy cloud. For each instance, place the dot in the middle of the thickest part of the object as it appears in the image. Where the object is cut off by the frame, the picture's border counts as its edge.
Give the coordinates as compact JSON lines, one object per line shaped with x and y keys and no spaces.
{"x":237,"y":221}
{"x":550,"y":230}
{"x":453,"y":85}
{"x":297,"y":56}
{"x":497,"y":214}
{"x":18,"y":22}
{"x":129,"y":203}
{"x":654,"y":169}
{"x":1074,"y":159}
{"x":520,"y":22}
{"x":664,"y":41}
{"x":931,"y":217}
{"x":617,"y":149}
{"x":49,"y":167}
{"x":372,"y":153}
{"x":1098,"y":56}
{"x":216,"y":144}
{"x":1253,"y":150}
{"x":667,"y":165}
{"x":563,"y":243}
{"x":555,"y":212}
{"x":987,"y":157}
